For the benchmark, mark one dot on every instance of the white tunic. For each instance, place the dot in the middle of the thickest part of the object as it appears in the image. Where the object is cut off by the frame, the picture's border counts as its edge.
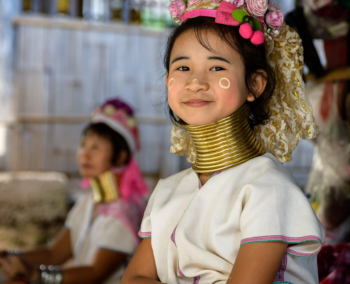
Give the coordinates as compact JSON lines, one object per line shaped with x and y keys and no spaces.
{"x":197,"y":231}
{"x":105,"y":232}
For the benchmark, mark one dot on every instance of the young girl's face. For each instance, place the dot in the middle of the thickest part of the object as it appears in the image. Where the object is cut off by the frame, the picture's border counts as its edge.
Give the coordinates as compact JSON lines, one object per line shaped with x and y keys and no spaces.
{"x":205,"y":86}
{"x":94,"y":155}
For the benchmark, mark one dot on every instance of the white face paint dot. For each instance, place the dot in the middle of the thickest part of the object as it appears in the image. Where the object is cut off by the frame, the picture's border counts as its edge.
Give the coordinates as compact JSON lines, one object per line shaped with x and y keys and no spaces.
{"x":171,"y":83}
{"x":224,"y":83}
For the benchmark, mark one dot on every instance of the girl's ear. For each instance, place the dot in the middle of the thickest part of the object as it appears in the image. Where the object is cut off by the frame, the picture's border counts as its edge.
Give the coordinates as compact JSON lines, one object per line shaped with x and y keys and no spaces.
{"x":123,"y":155}
{"x":166,"y":79}
{"x":258,"y":84}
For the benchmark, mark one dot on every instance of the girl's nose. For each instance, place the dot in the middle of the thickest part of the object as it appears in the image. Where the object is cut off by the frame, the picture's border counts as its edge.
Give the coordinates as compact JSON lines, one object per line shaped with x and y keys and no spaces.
{"x":84,"y":153}
{"x":196,"y":84}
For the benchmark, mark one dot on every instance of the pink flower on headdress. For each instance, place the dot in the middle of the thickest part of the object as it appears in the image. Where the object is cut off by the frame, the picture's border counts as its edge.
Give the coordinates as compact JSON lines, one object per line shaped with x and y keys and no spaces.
{"x":236,"y":3}
{"x":257,"y":7}
{"x":274,"y":19}
{"x":177,"y":9}
{"x":193,"y":2}
{"x":273,"y":7}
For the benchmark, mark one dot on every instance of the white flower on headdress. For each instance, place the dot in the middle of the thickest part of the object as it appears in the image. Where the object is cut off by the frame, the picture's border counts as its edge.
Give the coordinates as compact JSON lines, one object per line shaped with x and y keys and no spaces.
{"x":131,"y":122}
{"x":109,"y":110}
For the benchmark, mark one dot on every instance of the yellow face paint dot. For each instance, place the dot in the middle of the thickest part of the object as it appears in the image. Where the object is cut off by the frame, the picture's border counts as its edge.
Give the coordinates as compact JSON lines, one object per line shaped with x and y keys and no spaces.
{"x":224,"y":83}
{"x":195,"y":81}
{"x":171,"y":83}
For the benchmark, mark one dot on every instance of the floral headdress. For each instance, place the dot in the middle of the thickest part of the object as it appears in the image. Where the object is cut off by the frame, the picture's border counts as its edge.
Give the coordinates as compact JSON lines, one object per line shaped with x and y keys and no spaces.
{"x":253,"y":16}
{"x":261,"y":22}
{"x":120,"y":117}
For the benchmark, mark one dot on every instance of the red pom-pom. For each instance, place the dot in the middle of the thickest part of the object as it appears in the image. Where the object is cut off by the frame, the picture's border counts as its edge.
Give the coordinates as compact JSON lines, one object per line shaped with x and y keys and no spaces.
{"x":257,"y":38}
{"x":246,"y":30}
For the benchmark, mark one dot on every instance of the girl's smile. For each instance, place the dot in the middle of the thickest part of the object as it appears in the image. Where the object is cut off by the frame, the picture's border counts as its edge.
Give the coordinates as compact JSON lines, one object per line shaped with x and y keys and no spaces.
{"x":197,"y":103}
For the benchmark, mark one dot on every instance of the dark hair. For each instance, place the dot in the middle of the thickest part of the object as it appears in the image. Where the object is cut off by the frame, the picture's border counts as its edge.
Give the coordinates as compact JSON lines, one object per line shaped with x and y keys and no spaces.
{"x":254,"y":58}
{"x":118,"y":142}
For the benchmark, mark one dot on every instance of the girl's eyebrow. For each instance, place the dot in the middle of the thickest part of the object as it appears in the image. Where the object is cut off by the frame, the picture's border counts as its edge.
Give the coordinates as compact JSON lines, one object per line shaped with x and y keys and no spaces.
{"x":218,"y":58}
{"x":179,"y":58}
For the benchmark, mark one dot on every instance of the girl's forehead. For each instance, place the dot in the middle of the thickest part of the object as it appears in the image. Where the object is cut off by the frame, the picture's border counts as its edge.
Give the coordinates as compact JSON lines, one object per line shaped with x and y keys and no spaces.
{"x":93,"y":136}
{"x":205,"y":42}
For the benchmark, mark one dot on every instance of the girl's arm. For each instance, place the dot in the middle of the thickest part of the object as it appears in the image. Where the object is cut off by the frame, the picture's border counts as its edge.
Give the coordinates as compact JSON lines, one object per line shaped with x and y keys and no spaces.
{"x":142,"y":268}
{"x":104,"y":263}
{"x":55,"y":253}
{"x":257,"y":263}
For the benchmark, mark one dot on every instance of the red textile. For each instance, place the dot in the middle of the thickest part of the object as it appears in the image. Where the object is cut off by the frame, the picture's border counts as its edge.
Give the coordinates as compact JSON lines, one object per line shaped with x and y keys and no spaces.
{"x":334,"y":264}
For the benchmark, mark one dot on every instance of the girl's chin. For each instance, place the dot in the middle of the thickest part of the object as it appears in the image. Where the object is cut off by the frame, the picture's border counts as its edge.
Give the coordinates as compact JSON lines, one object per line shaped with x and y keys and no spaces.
{"x":201,"y":121}
{"x":85,"y":174}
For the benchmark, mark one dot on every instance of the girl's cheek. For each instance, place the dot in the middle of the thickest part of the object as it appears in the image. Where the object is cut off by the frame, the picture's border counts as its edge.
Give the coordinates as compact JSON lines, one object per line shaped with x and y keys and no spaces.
{"x":171,"y":83}
{"x":224,"y":83}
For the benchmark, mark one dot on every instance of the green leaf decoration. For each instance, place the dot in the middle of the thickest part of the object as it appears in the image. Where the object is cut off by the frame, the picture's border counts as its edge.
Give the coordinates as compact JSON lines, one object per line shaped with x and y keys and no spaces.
{"x":185,"y":2}
{"x":216,"y":8}
{"x":242,"y":16}
{"x":239,"y":14}
{"x":254,"y":22}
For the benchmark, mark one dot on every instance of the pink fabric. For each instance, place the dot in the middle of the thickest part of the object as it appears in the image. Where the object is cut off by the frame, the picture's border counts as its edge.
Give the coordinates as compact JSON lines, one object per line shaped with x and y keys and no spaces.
{"x":85,"y":183}
{"x":199,"y":13}
{"x":291,"y":240}
{"x":131,"y":206}
{"x":129,"y":212}
{"x":224,"y":15}
{"x":122,"y":114}
{"x":132,"y":184}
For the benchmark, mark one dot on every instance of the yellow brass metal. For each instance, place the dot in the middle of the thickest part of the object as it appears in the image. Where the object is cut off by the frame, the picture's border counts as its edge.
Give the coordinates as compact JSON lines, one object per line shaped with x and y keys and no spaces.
{"x":224,"y":144}
{"x":104,"y":187}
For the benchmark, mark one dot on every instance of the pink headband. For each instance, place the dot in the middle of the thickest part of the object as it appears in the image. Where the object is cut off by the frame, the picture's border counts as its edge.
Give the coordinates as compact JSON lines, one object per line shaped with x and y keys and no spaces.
{"x":223,"y":15}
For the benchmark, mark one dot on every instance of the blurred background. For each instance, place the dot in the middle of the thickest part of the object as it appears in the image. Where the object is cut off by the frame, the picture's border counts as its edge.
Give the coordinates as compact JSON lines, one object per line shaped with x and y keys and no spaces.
{"x":59,"y":59}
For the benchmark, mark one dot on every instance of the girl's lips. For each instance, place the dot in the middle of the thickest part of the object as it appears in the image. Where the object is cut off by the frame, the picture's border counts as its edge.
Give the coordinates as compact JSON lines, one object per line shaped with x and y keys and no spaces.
{"x":85,"y":166}
{"x":197,"y":103}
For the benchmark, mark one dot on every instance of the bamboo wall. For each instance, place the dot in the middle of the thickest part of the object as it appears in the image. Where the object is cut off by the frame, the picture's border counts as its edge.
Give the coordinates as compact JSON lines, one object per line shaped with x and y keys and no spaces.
{"x":8,"y":9}
{"x":64,"y":69}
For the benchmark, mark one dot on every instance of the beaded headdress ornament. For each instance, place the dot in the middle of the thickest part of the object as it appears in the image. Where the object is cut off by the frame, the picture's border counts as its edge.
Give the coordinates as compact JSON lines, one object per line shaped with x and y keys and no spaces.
{"x":262,"y":23}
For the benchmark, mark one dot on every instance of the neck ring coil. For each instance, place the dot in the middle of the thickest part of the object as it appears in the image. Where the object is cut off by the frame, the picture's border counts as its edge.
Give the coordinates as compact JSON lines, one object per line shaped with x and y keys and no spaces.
{"x":224,"y":144}
{"x":104,"y":187}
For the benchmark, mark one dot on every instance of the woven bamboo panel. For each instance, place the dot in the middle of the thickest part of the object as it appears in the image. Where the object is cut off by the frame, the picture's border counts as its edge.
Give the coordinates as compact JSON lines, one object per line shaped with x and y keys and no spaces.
{"x":63,"y":73}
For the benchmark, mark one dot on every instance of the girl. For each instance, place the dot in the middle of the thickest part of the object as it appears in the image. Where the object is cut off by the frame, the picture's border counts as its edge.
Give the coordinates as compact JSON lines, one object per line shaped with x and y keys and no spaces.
{"x":101,"y":230}
{"x":239,"y":109}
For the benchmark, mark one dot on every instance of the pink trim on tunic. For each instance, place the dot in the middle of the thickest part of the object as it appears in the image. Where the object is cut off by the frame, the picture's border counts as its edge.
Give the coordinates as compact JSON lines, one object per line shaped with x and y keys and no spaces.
{"x":291,"y":240}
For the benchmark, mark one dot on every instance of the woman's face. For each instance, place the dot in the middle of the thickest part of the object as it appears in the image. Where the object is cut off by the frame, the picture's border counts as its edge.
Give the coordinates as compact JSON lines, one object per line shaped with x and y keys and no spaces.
{"x":205,"y":86}
{"x":94,"y":155}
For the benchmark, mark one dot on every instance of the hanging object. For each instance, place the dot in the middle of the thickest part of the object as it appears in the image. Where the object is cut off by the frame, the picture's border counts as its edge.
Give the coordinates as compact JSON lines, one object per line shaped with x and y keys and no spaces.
{"x":116,"y":10}
{"x":96,"y":10}
{"x":76,"y":8}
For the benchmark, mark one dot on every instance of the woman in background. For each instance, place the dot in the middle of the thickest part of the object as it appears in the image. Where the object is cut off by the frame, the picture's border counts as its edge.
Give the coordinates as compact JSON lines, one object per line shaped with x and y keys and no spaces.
{"x":100,"y":233}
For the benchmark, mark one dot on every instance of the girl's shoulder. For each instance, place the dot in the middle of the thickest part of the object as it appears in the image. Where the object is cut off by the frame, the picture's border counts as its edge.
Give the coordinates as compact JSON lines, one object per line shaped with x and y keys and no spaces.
{"x":262,"y":168}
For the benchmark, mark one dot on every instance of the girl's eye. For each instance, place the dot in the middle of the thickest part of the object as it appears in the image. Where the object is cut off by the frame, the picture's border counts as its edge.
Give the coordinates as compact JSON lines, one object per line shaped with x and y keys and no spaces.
{"x":217,"y":69}
{"x":183,"y":68}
